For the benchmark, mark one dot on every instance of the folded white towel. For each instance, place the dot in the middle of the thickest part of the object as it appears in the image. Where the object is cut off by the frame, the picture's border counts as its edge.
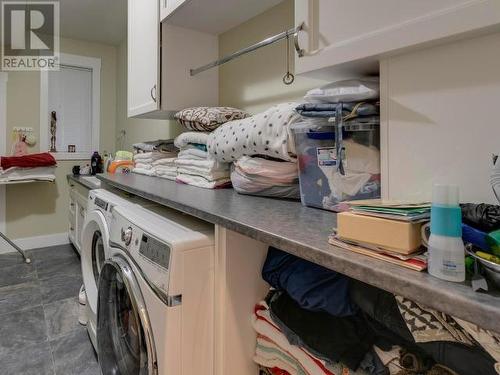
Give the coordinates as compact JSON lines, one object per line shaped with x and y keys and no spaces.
{"x":186,"y":138}
{"x":212,"y":176}
{"x":201,"y":182}
{"x":208,"y":164}
{"x":168,"y":177}
{"x":165,"y":168}
{"x":155,"y":155}
{"x":165,"y":161}
{"x":147,"y":172}
{"x":193,"y":153}
{"x":143,"y":165}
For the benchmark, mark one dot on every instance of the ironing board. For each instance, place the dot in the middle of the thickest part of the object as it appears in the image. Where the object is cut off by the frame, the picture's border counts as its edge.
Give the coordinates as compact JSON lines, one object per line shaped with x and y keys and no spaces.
{"x":4,"y":236}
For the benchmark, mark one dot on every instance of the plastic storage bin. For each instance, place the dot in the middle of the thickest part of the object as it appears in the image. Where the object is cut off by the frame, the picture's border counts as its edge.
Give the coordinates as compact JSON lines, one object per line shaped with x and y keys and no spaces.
{"x":332,"y":169}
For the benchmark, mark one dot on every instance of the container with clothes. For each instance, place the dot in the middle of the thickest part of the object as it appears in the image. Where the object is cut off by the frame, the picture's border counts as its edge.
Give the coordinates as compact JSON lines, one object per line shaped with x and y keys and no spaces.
{"x":334,"y":169}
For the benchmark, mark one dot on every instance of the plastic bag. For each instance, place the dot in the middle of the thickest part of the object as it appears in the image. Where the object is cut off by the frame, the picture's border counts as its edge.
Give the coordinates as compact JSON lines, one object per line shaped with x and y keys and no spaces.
{"x":257,"y":176}
{"x":352,"y":90}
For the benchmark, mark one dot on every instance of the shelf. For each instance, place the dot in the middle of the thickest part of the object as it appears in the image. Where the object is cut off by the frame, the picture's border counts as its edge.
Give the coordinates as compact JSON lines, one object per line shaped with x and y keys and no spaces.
{"x":215,"y":16}
{"x":304,"y":231}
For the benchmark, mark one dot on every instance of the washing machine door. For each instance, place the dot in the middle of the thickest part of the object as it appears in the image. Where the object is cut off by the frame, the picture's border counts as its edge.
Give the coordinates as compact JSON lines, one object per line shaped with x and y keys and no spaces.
{"x":124,"y":336}
{"x":95,"y":251}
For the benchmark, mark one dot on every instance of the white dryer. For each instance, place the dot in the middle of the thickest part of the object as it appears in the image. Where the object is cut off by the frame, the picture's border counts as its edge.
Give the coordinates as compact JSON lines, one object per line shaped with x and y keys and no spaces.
{"x":95,"y":245}
{"x":155,"y":309}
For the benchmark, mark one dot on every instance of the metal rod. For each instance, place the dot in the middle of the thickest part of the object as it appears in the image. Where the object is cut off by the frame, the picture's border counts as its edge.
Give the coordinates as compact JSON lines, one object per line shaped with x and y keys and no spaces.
{"x":244,"y":51}
{"x":7,"y":239}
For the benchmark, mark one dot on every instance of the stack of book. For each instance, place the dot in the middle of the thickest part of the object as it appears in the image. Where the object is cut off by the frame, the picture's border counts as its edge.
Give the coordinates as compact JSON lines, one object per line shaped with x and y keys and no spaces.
{"x":389,"y":231}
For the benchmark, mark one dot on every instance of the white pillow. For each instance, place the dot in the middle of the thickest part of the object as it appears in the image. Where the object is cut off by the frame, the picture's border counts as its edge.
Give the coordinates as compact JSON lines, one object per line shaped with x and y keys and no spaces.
{"x":351,"y":90}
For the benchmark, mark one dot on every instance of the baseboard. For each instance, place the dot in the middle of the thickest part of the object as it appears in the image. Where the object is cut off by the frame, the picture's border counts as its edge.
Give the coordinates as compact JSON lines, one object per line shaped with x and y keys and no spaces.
{"x":42,"y":241}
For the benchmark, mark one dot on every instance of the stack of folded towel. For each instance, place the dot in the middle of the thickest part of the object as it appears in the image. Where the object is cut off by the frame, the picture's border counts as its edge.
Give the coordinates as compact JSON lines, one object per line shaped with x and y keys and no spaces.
{"x":165,"y":168}
{"x":194,"y":167}
{"x":155,"y":164}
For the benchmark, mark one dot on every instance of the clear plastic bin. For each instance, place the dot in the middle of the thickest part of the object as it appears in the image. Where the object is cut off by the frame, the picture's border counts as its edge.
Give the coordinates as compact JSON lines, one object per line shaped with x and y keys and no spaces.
{"x":333,"y":170}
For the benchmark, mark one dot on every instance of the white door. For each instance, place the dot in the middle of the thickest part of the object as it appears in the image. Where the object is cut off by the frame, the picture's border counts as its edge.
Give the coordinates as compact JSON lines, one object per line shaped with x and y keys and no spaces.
{"x":143,"y":57}
{"x":337,"y":32}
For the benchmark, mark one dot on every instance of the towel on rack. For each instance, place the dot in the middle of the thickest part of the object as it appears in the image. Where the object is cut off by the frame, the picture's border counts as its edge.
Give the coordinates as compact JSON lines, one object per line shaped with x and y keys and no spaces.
{"x":267,"y":133}
{"x":44,"y":159}
{"x":16,"y":174}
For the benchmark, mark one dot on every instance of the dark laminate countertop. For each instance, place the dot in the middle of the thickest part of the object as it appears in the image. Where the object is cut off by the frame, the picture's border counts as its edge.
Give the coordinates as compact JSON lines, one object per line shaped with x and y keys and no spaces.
{"x":82,"y":181}
{"x":304,"y":232}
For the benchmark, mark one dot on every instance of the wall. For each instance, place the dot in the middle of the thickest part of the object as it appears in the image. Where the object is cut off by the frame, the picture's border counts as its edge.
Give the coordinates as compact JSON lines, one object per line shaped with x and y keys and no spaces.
{"x":42,"y":208}
{"x":439,"y":109}
{"x":254,"y":82}
{"x":136,"y":130}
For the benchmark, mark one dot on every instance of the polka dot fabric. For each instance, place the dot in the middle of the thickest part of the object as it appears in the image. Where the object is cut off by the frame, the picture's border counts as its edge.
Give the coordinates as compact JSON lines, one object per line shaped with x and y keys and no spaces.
{"x":267,"y":133}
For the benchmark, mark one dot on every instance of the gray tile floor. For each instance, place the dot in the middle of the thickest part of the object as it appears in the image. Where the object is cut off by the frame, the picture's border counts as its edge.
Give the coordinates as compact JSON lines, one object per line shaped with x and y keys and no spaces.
{"x":39,"y":329}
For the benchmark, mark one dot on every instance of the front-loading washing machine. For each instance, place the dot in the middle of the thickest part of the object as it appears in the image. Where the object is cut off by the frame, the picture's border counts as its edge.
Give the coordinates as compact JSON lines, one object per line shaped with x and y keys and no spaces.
{"x":156,"y":291}
{"x":95,"y":245}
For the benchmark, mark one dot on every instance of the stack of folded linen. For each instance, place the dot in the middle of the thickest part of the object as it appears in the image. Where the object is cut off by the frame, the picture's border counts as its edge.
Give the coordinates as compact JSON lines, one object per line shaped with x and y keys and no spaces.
{"x":165,"y":168}
{"x":31,"y":167}
{"x":258,"y":176}
{"x":148,"y":163}
{"x":262,"y":150}
{"x":194,"y":167}
{"x":162,"y":145}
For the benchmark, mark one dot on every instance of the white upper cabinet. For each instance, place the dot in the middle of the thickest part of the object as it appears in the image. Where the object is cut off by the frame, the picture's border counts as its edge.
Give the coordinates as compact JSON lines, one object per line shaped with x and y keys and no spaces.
{"x":143,"y":57}
{"x":350,"y":36}
{"x":160,"y":57}
{"x":167,"y":7}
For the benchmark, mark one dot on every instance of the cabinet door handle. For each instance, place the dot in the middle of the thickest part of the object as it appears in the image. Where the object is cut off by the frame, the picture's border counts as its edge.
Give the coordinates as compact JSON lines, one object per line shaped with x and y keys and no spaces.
{"x":153,"y":96}
{"x":300,"y":51}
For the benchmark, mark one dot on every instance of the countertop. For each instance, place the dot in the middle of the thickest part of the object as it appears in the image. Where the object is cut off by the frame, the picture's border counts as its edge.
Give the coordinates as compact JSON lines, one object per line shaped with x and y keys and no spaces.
{"x":304,"y":231}
{"x":83,"y":180}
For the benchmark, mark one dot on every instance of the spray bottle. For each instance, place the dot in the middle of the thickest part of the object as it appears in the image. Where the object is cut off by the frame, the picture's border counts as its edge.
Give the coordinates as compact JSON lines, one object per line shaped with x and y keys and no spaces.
{"x":446,"y":248}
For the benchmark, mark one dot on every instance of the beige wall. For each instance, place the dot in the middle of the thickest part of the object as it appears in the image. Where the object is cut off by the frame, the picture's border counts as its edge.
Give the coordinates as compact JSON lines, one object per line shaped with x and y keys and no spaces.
{"x":254,"y":82}
{"x":440,"y":108}
{"x":136,"y":130}
{"x":42,"y":208}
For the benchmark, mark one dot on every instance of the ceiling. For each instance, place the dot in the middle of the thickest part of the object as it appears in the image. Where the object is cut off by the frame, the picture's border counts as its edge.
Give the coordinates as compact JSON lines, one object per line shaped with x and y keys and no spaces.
{"x":101,"y":21}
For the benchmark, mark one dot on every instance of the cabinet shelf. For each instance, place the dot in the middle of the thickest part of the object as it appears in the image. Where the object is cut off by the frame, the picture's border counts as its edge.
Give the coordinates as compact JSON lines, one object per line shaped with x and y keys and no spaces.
{"x":214,"y":16}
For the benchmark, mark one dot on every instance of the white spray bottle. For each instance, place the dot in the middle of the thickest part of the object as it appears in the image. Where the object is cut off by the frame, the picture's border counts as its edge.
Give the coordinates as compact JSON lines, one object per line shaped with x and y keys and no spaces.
{"x":446,"y":248}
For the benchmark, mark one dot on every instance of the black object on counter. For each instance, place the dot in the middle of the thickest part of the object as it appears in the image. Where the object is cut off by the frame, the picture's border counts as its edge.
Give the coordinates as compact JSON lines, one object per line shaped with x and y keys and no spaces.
{"x":485,"y":217}
{"x":95,"y":164}
{"x":76,"y":170}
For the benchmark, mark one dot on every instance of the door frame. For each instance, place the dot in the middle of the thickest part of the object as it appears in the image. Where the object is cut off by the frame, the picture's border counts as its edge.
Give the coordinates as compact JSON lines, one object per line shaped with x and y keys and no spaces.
{"x":3,"y":143}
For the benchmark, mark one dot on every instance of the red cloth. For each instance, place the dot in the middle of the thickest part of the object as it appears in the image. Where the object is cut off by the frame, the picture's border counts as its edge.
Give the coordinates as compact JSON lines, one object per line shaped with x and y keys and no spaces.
{"x":28,"y":161}
{"x":278,"y":371}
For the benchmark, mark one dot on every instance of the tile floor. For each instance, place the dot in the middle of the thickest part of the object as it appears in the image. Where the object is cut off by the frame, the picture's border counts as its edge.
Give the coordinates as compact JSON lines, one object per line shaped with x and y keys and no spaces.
{"x":39,"y":329}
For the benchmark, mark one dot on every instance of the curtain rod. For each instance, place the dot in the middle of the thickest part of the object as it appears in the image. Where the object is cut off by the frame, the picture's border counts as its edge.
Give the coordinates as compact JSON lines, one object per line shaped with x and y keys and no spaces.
{"x":256,"y":46}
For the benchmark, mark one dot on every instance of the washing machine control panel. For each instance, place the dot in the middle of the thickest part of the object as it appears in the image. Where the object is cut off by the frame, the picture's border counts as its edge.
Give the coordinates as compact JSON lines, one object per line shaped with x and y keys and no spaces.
{"x":156,"y":251}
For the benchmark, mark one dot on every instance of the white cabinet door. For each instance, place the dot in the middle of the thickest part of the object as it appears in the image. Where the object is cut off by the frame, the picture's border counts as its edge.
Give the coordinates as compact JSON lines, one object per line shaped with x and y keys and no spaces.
{"x":353,"y":34}
{"x":143,"y":57}
{"x":169,"y":6}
